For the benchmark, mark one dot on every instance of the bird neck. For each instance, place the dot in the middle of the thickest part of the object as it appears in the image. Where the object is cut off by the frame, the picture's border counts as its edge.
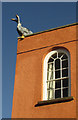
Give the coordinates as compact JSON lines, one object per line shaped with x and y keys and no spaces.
{"x":19,"y":24}
{"x":18,"y":21}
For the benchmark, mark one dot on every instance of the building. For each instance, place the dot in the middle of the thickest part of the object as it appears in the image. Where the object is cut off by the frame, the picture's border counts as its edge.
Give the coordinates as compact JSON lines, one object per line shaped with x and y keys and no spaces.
{"x":46,"y":77}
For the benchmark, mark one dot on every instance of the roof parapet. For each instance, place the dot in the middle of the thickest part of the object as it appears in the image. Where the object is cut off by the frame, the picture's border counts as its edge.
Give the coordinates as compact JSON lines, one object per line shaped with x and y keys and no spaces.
{"x":68,"y":25}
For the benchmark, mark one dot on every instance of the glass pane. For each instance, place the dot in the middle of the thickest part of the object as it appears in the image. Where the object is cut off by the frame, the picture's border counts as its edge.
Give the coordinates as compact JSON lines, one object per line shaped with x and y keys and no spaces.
{"x":65,"y":82}
{"x":57,"y":74}
{"x":54,"y":55}
{"x":65,"y":73}
{"x":58,"y":93}
{"x":48,"y":94}
{"x":49,"y":75}
{"x":47,"y":85}
{"x":57,"y":64}
{"x":64,"y":57}
{"x":51,"y":85}
{"x":60,"y":54}
{"x":50,"y":67}
{"x":50,"y":60}
{"x":51,"y":94}
{"x":65,"y":64}
{"x":54,"y":84}
{"x":65,"y":92}
{"x":57,"y":84}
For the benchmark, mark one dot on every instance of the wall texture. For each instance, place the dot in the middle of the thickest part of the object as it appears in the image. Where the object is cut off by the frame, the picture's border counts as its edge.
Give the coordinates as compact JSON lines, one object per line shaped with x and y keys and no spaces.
{"x":28,"y":87}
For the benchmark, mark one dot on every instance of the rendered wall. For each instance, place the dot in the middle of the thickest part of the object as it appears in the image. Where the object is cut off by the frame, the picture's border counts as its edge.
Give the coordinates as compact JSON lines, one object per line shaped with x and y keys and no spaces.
{"x":77,"y":72}
{"x":28,"y":86}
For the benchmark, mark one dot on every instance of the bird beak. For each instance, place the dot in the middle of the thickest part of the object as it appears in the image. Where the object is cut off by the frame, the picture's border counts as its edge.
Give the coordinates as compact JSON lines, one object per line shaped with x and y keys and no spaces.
{"x":13,"y":19}
{"x":17,"y":16}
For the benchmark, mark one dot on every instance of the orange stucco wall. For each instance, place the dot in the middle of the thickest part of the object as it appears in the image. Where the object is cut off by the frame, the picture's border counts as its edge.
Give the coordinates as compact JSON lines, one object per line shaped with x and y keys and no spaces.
{"x":29,"y":74}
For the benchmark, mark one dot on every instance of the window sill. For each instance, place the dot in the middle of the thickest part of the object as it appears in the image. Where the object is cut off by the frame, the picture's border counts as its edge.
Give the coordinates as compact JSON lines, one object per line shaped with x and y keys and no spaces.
{"x":54,"y":101}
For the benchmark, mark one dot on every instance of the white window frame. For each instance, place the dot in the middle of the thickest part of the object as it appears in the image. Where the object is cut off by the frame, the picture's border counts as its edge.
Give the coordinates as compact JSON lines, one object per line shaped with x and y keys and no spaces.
{"x":45,"y":71}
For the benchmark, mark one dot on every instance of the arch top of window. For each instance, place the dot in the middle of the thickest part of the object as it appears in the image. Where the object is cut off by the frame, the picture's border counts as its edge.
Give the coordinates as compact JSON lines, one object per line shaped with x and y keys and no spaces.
{"x":54,"y":54}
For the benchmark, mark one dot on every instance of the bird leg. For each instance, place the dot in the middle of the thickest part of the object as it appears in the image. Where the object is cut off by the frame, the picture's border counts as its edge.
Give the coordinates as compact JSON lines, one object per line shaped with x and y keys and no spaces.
{"x":22,"y":37}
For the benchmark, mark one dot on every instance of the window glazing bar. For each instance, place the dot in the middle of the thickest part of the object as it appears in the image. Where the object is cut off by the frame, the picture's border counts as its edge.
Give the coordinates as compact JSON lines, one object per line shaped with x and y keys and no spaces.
{"x":56,"y":79}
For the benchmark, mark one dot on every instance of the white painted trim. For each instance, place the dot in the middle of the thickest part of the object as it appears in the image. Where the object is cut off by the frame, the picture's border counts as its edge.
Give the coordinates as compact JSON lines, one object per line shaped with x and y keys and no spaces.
{"x":45,"y":70}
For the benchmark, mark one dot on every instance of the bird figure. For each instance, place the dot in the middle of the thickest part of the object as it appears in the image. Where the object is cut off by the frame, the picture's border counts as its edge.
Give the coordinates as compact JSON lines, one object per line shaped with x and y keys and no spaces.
{"x":22,"y":31}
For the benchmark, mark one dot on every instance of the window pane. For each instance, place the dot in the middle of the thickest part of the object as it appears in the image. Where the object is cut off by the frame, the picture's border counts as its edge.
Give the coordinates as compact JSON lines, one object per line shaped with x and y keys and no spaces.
{"x":54,"y":55}
{"x":65,"y":73}
{"x":51,"y":94}
{"x":48,"y":94}
{"x":48,"y":85}
{"x":58,"y":93}
{"x":57,"y":64}
{"x":65,"y":64}
{"x":51,"y":85}
{"x":65,"y":92}
{"x":60,"y":54}
{"x":57,"y":74}
{"x":50,"y":67}
{"x":50,"y":75}
{"x":57,"y":84}
{"x":50,"y":60}
{"x":64,"y":57}
{"x":65,"y":82}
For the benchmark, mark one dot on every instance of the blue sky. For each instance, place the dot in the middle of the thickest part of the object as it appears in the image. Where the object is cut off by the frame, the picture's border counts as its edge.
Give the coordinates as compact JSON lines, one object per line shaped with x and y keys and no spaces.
{"x":37,"y":16}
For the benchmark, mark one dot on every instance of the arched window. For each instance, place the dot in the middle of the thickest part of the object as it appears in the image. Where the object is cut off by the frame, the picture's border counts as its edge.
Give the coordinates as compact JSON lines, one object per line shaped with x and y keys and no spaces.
{"x":56,"y":76}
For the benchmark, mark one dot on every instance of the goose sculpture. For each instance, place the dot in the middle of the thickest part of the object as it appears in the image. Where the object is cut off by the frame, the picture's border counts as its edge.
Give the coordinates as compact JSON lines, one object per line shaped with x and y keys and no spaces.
{"x":22,"y":31}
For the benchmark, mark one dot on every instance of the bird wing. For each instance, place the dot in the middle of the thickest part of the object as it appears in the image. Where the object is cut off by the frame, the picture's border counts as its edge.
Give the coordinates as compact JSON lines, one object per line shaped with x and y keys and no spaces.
{"x":26,"y":30}
{"x":23,"y":30}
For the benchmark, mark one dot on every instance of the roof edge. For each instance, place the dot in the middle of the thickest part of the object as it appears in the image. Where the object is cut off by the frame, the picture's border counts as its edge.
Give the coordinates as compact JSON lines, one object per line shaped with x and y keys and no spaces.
{"x":68,"y":25}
